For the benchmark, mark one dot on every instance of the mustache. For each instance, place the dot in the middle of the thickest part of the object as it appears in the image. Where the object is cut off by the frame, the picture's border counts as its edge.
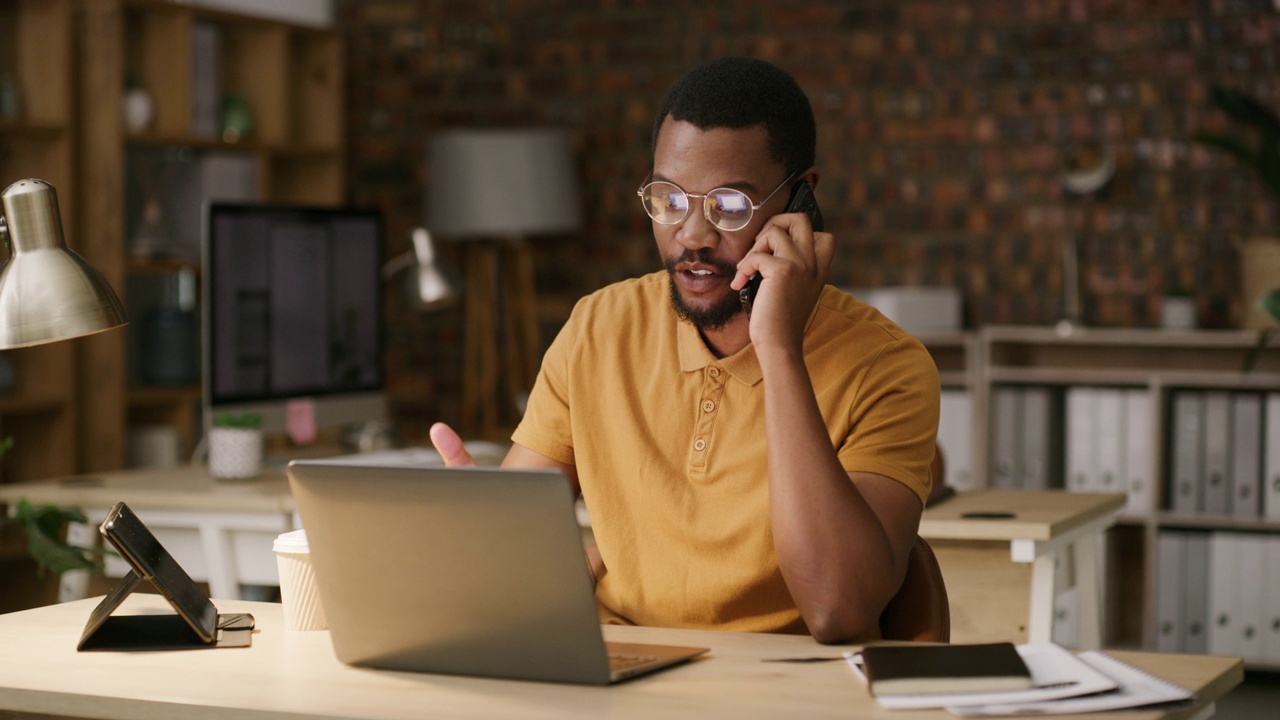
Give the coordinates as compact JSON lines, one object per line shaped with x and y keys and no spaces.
{"x":703,"y":256}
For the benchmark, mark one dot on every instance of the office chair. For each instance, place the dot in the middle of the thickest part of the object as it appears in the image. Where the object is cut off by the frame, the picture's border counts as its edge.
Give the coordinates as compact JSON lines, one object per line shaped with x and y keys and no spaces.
{"x":920,"y":610}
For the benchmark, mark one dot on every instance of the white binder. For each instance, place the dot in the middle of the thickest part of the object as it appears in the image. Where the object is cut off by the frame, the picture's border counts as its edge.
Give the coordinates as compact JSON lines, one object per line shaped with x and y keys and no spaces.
{"x":1252,"y":555}
{"x":1081,"y":438}
{"x":1217,"y":442}
{"x":1246,"y":454}
{"x":1271,"y":459}
{"x":1139,"y":450}
{"x":1195,"y":578}
{"x":1006,"y":423}
{"x":1271,"y":610}
{"x":1224,"y":594}
{"x":1109,"y":409}
{"x":1186,"y":488}
{"x":1170,"y":564}
{"x":1041,"y":445}
{"x":955,"y":437}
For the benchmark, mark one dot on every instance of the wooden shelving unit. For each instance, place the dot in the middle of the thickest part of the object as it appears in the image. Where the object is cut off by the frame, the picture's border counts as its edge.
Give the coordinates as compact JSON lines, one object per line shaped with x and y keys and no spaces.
{"x":40,"y":411}
{"x":1159,"y":362}
{"x":292,"y":80}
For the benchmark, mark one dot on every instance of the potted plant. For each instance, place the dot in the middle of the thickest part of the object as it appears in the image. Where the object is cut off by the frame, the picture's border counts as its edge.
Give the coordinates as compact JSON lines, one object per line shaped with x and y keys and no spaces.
{"x":38,"y":531}
{"x":235,"y":446}
{"x":1258,"y":148}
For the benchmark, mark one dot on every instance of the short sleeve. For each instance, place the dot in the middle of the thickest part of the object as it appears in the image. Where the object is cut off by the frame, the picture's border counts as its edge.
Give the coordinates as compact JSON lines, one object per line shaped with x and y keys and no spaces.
{"x":894,"y":417}
{"x":546,"y":427}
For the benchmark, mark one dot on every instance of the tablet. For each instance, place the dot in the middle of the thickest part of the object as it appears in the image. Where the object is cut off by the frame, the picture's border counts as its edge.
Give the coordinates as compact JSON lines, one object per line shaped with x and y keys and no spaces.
{"x":150,"y":561}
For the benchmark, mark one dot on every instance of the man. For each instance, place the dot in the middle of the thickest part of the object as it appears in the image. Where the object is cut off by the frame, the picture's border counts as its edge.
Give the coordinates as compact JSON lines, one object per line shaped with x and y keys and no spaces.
{"x":763,"y":471}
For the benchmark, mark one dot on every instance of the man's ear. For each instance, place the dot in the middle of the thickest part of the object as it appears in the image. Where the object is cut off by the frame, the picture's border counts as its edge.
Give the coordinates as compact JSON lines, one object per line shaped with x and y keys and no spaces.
{"x":811,"y":175}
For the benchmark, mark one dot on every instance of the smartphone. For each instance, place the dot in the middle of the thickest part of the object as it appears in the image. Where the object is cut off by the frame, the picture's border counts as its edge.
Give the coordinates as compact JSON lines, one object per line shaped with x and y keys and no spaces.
{"x":802,"y":200}
{"x":151,"y":561}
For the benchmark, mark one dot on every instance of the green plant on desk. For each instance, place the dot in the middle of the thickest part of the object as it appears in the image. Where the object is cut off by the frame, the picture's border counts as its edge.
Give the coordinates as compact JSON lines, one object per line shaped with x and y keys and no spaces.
{"x":45,"y":527}
{"x":241,"y":420}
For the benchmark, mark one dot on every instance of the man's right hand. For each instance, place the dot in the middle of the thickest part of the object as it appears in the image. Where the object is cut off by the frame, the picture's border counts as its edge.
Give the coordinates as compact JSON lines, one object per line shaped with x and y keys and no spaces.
{"x":449,"y":444}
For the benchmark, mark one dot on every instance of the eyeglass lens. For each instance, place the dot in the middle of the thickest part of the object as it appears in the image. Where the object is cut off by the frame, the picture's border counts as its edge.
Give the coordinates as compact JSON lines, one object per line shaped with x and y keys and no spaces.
{"x":725,"y":208}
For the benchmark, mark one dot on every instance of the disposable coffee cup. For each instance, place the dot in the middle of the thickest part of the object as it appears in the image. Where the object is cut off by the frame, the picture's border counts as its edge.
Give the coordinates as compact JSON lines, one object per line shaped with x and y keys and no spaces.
{"x":298,"y":591}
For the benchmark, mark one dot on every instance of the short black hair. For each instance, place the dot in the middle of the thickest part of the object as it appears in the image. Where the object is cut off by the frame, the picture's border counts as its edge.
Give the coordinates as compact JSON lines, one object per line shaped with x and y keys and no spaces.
{"x":742,"y":92}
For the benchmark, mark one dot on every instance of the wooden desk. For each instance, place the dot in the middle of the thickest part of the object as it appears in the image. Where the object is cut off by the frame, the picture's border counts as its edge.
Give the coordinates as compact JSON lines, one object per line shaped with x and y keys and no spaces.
{"x":294,"y":675}
{"x":1042,"y":529}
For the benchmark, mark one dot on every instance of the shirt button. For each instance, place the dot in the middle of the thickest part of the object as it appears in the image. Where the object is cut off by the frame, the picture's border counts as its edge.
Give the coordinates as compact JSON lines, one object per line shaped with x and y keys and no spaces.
{"x":699,"y":444}
{"x":713,"y":371}
{"x":708,"y":405}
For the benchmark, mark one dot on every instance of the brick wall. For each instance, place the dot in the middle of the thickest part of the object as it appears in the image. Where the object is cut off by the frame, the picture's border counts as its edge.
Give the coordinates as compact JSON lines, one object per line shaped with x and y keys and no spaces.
{"x":942,"y":130}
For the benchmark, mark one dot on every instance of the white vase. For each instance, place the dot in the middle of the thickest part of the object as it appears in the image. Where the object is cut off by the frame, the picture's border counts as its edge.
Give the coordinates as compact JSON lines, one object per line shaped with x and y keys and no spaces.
{"x":139,"y":110}
{"x":235,"y":453}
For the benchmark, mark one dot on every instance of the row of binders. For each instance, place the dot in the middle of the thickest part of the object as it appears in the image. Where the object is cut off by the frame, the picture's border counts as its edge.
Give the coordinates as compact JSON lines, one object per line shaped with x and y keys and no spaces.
{"x":1217,"y":594}
{"x":1223,"y":446}
{"x":1085,"y":439}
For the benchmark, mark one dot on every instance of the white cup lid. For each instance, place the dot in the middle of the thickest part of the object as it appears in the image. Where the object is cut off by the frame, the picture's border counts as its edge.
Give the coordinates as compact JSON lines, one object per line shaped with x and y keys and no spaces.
{"x":294,"y":541}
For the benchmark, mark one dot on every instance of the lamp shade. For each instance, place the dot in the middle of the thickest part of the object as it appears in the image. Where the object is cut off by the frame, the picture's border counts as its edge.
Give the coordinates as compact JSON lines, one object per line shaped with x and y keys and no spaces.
{"x":489,"y":183}
{"x":429,"y":287}
{"x":47,"y":291}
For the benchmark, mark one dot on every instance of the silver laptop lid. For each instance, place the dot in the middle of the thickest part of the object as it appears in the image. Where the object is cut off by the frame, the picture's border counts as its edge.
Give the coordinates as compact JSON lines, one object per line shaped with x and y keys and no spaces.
{"x":474,"y":571}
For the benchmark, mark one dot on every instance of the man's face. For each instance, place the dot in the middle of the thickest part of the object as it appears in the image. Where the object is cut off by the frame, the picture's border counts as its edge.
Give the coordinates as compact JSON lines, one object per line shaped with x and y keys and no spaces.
{"x":700,"y":258}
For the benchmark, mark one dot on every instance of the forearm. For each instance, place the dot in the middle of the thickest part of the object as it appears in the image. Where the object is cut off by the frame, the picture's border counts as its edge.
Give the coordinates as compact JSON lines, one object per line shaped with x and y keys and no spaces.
{"x":834,"y":553}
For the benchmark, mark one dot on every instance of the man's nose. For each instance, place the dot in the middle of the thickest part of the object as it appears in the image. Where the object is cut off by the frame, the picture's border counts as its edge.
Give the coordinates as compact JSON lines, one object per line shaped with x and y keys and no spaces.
{"x":696,"y":231}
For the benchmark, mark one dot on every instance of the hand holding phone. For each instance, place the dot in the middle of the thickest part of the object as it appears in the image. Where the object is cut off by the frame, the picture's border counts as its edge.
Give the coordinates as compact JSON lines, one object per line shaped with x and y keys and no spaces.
{"x":803,"y":201}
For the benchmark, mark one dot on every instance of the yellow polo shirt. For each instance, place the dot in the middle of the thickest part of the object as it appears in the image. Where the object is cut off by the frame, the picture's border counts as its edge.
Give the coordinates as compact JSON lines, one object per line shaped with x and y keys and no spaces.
{"x":669,"y":444}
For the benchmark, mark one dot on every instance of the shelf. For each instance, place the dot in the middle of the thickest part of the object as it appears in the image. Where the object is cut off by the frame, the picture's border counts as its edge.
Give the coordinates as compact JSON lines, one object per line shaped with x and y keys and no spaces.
{"x":1121,"y":337}
{"x":31,"y":130}
{"x":1068,"y":376}
{"x":156,"y":266}
{"x":158,"y":396}
{"x":280,"y":150}
{"x":32,"y":404}
{"x":1229,"y":523}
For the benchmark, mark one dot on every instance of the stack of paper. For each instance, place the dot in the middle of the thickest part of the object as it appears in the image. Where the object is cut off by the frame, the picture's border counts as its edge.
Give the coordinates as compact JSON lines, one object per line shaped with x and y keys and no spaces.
{"x":1062,"y":683}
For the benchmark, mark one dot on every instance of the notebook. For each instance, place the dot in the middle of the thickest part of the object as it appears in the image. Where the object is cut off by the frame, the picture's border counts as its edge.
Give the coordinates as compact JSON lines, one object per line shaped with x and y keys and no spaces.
{"x":925,"y":669}
{"x":468,"y":571}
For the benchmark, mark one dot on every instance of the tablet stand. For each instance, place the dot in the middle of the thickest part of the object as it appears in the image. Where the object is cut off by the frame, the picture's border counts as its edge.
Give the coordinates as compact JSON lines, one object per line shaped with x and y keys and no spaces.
{"x":167,"y":631}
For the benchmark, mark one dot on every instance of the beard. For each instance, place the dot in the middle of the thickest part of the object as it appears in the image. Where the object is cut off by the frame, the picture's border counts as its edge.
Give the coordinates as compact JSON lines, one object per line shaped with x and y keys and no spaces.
{"x":714,"y":316}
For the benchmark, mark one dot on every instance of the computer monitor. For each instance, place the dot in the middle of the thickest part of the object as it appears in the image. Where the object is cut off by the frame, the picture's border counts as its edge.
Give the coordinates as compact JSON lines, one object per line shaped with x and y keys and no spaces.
{"x":293,"y":314}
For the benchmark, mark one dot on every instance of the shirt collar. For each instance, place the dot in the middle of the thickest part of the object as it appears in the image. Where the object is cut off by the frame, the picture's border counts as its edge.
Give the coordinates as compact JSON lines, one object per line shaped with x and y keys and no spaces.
{"x":742,"y":365}
{"x":694,"y":355}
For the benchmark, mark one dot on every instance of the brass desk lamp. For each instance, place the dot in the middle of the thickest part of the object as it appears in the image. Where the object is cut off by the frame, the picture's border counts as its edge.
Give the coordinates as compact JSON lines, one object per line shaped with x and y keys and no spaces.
{"x":47,"y":291}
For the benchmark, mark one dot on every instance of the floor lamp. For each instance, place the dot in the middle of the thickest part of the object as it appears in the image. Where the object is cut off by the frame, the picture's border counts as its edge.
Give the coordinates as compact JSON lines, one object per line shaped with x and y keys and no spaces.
{"x":494,"y":189}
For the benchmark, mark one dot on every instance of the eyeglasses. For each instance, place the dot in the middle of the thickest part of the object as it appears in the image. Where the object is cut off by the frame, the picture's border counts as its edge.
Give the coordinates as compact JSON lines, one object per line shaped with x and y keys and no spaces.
{"x":726,"y":208}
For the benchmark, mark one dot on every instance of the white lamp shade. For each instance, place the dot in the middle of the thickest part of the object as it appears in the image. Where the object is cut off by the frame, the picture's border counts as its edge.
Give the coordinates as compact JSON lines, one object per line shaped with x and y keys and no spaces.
{"x":488,"y":183}
{"x":47,"y":291}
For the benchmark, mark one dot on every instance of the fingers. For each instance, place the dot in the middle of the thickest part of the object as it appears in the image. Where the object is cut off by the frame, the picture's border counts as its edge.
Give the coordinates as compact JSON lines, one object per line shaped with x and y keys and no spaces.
{"x":449,"y":445}
{"x":790,"y":238}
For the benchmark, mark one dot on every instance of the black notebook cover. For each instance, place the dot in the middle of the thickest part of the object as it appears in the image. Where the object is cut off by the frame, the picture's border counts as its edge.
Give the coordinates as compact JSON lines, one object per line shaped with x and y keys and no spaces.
{"x":929,"y":669}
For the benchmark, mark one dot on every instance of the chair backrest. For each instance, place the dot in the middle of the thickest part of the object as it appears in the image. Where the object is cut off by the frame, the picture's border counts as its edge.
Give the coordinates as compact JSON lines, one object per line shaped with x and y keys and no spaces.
{"x":919,"y":611}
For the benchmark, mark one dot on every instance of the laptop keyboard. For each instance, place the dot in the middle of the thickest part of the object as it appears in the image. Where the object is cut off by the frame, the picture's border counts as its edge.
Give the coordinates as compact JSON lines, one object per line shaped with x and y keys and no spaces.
{"x":625,"y":662}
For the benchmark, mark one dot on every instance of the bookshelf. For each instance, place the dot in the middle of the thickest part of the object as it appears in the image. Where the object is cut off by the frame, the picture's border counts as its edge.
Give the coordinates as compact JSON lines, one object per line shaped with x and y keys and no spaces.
{"x":1157,"y":365}
{"x":291,"y":77}
{"x":38,"y":408}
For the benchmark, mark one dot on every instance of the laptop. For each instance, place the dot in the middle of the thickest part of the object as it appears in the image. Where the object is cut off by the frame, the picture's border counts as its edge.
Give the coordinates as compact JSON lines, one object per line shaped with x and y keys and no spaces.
{"x":466,"y":571}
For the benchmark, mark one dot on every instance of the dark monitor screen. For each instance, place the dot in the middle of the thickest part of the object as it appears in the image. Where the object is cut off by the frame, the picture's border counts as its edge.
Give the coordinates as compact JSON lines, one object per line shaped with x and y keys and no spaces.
{"x":293,"y":309}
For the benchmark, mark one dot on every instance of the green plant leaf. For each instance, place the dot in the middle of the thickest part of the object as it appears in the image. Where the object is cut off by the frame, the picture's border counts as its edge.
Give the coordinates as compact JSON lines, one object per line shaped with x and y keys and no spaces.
{"x":1271,"y":303}
{"x":1243,"y":108}
{"x":45,"y":525}
{"x":1229,"y":145}
{"x":1269,"y":166}
{"x":248,"y":420}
